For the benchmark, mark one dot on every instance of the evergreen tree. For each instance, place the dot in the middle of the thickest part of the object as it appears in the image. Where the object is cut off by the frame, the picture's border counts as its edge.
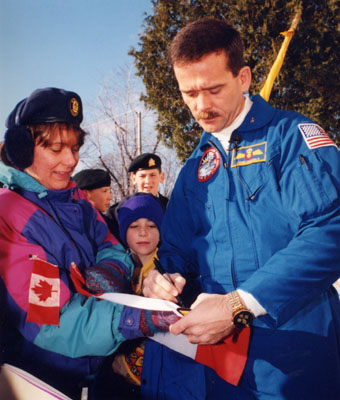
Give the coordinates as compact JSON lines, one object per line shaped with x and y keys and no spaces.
{"x":309,"y":79}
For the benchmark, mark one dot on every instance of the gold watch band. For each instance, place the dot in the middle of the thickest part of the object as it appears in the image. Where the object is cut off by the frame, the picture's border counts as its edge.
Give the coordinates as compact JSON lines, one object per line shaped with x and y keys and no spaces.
{"x":235,"y":301}
{"x":241,"y":316}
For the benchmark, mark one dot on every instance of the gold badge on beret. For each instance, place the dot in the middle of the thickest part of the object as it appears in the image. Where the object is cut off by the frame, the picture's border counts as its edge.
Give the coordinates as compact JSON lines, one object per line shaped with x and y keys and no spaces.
{"x":152,"y":162}
{"x":74,"y":107}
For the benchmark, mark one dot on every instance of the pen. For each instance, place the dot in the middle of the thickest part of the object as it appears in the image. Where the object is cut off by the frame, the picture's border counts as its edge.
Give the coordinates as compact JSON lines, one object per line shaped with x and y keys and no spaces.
{"x":167,"y":276}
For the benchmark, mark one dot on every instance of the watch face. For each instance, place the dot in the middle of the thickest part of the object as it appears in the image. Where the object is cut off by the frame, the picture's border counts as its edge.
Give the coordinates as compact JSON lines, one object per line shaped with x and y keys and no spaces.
{"x":243,"y":319}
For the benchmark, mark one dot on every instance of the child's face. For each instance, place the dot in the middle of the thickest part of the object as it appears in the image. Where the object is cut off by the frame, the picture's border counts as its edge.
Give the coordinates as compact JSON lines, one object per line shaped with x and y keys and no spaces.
{"x":100,"y":197}
{"x":148,"y":180}
{"x":142,"y":237}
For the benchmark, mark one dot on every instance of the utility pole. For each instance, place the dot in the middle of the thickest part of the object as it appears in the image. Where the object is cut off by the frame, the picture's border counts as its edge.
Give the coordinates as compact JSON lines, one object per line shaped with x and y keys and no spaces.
{"x":139,"y":132}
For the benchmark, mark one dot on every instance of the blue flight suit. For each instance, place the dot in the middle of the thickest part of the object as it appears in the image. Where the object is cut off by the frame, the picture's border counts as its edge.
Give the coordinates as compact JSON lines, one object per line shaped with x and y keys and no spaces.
{"x":264,"y":218}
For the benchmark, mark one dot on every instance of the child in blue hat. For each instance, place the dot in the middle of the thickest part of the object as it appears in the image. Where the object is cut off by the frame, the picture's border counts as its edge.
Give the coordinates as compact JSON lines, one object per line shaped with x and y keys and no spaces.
{"x":140,"y":217}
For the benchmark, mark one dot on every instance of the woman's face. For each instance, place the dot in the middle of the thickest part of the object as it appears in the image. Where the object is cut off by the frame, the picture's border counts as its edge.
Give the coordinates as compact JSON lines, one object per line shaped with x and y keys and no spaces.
{"x":53,"y":165}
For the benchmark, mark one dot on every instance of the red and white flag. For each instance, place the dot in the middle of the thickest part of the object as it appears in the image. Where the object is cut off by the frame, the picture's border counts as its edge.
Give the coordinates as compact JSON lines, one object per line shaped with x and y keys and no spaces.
{"x":227,"y":359}
{"x":44,"y":293}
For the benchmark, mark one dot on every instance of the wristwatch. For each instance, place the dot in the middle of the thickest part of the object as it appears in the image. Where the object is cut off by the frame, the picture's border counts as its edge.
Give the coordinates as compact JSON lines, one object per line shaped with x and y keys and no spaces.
{"x":242,"y":316}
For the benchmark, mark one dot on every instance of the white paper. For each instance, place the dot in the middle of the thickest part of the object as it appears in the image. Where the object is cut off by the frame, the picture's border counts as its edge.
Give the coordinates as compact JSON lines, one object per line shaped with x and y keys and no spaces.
{"x":145,"y":303}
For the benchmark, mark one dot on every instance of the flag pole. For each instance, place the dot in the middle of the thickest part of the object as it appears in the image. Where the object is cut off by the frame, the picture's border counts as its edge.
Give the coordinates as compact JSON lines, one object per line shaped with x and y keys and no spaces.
{"x":275,"y":69}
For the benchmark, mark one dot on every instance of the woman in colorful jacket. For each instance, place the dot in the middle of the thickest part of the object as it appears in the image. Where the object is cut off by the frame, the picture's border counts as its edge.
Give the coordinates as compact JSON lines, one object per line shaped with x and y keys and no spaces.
{"x":49,"y":234}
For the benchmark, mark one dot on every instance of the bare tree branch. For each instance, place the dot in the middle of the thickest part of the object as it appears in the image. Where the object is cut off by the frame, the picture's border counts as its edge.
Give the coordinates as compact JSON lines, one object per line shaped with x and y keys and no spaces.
{"x":112,"y":143}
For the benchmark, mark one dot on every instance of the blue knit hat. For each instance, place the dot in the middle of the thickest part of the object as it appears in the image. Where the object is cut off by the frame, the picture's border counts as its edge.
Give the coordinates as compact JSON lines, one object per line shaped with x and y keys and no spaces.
{"x":138,"y":205}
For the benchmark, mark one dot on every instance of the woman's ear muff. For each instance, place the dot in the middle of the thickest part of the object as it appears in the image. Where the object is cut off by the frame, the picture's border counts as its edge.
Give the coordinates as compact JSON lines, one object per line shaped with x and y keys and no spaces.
{"x":19,"y":146}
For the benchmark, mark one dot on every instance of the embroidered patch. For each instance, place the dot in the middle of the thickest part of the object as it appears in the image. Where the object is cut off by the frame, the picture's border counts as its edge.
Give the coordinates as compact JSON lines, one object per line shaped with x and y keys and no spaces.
{"x":249,"y":155}
{"x":315,"y":136}
{"x":209,"y":164}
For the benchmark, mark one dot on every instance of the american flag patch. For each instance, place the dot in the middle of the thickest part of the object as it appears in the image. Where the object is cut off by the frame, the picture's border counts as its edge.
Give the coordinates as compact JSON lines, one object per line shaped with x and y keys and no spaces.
{"x":315,"y":136}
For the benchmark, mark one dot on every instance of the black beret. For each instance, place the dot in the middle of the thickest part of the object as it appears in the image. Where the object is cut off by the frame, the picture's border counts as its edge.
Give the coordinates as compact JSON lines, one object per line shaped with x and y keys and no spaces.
{"x":47,"y":106}
{"x":145,"y":161}
{"x":89,"y":179}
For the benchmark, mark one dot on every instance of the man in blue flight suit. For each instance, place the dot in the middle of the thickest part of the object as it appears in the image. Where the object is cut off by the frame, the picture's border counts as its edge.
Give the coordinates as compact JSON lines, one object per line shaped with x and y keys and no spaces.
{"x":255,"y":214}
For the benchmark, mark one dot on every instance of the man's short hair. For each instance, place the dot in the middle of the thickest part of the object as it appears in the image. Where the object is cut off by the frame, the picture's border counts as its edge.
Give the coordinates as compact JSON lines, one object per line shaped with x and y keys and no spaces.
{"x":205,"y":36}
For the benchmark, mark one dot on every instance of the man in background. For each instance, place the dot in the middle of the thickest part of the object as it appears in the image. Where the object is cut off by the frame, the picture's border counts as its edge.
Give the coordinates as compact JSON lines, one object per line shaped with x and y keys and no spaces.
{"x":146,"y":175}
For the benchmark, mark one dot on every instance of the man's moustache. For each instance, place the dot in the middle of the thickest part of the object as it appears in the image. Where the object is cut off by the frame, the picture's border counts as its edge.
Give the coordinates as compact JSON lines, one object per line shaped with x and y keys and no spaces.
{"x":206,"y":115}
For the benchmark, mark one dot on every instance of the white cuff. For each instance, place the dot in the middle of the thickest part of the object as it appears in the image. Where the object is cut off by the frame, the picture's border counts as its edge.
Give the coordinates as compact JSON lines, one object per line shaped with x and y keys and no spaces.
{"x":251,"y":303}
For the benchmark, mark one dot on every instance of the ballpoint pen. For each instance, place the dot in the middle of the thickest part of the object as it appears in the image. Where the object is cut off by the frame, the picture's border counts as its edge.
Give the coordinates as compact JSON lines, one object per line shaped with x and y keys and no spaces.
{"x":167,"y":276}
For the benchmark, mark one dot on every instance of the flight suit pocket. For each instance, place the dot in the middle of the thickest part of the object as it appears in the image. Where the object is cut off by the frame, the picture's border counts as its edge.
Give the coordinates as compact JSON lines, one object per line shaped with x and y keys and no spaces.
{"x":314,"y":186}
{"x":200,"y":209}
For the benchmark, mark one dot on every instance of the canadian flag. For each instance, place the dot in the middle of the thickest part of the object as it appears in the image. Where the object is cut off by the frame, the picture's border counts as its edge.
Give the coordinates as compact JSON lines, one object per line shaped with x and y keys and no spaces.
{"x":44,"y":293}
{"x":228,"y":359}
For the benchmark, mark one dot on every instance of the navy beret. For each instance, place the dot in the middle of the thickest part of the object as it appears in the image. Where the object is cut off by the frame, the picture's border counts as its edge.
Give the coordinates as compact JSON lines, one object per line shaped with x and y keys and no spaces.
{"x":89,"y":179}
{"x":138,"y":205}
{"x":145,"y":161}
{"x":47,"y":106}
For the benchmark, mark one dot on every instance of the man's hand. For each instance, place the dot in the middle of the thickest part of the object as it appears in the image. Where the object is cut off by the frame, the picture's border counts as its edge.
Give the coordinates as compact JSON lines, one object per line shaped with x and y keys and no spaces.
{"x":157,"y":286}
{"x":208,"y":322}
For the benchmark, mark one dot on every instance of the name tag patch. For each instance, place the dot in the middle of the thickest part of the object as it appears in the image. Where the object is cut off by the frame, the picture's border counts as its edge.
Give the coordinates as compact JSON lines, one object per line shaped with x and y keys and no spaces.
{"x":315,"y":136}
{"x":210,"y":161}
{"x":247,"y":155}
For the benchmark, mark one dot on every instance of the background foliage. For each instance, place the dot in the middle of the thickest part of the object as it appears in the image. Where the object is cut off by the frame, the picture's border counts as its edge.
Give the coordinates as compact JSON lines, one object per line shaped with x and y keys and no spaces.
{"x":309,"y":79}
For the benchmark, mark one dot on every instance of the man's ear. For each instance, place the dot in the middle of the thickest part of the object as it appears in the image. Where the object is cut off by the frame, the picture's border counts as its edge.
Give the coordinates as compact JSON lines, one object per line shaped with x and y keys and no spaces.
{"x":133,"y":178}
{"x":161,"y":177}
{"x":245,"y":78}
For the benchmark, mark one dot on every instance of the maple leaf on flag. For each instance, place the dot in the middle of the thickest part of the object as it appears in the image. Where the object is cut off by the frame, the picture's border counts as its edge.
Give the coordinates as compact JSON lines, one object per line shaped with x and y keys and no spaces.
{"x":43,"y":289}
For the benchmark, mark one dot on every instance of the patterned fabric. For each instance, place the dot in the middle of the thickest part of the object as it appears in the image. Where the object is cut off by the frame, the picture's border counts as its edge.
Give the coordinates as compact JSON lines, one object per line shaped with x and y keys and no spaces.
{"x":105,"y":277}
{"x":130,"y":365}
{"x":135,"y":322}
{"x":156,"y":321}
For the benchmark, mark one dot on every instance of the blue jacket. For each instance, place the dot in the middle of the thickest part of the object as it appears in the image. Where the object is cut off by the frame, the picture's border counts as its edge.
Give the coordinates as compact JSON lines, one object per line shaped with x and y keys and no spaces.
{"x":265,"y":218}
{"x":60,"y":227}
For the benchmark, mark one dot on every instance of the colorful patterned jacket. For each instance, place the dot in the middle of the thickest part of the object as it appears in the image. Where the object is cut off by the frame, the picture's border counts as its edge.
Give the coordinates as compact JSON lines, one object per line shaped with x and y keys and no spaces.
{"x":61,"y":228}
